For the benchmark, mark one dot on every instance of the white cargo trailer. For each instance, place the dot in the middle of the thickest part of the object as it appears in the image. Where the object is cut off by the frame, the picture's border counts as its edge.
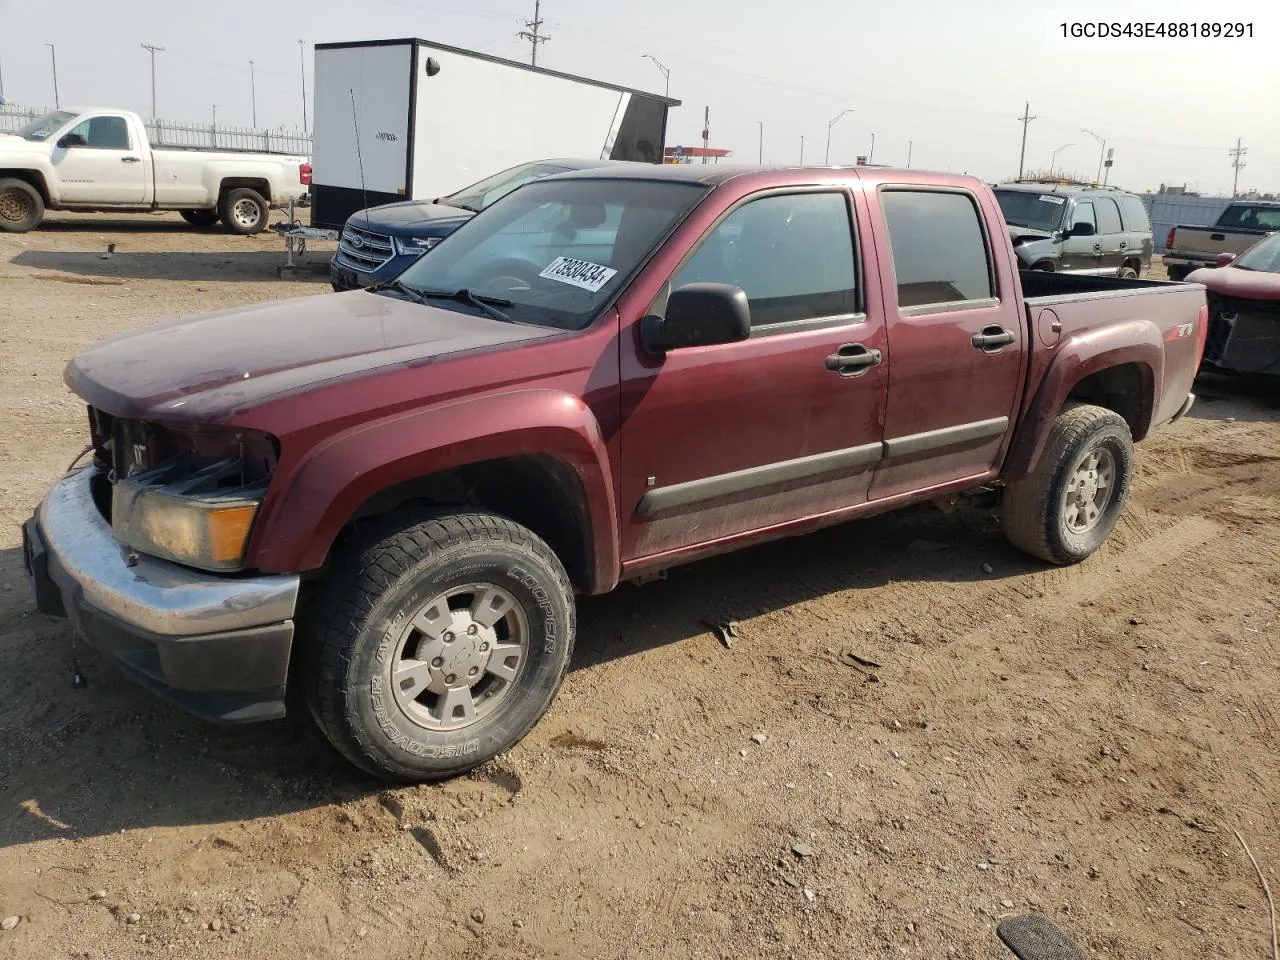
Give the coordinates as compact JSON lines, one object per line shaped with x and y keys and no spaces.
{"x":410,"y":119}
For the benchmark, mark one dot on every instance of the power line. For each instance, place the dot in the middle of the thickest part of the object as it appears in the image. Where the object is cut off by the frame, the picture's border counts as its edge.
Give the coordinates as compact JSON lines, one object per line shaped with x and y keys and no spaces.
{"x":1237,"y":163}
{"x":532,"y":31}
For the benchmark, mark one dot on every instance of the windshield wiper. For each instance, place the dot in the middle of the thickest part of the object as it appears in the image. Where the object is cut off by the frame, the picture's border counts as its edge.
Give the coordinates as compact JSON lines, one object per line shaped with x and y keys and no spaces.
{"x":413,"y":293}
{"x":487,"y":304}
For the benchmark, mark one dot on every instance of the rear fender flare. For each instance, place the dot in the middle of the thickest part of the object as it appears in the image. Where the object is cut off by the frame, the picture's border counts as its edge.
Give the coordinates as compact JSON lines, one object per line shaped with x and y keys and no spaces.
{"x":1131,"y":342}
{"x":333,"y":480}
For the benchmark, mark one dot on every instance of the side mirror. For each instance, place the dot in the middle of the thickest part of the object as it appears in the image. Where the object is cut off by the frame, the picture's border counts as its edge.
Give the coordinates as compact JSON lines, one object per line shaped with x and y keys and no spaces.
{"x":1083,"y":229}
{"x":65,"y":141}
{"x":698,"y":315}
{"x":1226,"y":259}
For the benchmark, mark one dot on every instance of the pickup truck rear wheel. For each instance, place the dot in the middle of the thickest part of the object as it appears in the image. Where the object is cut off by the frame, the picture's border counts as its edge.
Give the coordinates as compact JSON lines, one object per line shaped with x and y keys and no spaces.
{"x":1066,"y":507}
{"x":244,"y":211}
{"x":200,"y":218}
{"x":21,"y":206}
{"x":439,"y":641}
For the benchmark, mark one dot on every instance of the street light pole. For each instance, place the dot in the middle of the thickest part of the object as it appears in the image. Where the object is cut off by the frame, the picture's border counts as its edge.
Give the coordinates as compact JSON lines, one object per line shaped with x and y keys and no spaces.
{"x":666,"y":74}
{"x":831,"y":123}
{"x":302,"y":67}
{"x":1053,"y":157}
{"x":802,"y":149}
{"x":909,"y":146}
{"x":53,"y":57}
{"x":872,"y":155}
{"x":1101,"y":153}
{"x":760,"y":158}
{"x":253,"y":93}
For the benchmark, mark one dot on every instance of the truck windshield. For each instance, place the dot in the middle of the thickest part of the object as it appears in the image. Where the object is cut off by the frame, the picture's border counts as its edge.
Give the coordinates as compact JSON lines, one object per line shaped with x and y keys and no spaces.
{"x":1249,"y":217}
{"x":554,"y":252}
{"x":46,"y":125}
{"x":1036,"y":211}
{"x":492,"y":189}
{"x":1263,"y":256}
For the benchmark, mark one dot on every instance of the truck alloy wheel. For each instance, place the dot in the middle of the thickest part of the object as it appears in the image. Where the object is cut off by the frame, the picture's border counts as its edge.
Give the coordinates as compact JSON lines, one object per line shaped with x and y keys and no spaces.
{"x":243,"y":211}
{"x":1064,"y":509}
{"x":438,"y":640}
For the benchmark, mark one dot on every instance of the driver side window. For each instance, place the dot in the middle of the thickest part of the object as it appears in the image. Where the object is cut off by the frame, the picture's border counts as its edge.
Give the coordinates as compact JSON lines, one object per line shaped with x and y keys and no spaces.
{"x":1084,"y":214}
{"x":792,"y":255}
{"x":102,"y":133}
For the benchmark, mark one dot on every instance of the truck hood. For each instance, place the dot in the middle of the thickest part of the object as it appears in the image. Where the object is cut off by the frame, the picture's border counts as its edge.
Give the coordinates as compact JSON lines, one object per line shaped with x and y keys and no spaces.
{"x":1026,"y":234}
{"x":412,"y":217}
{"x":1234,"y":282}
{"x":213,"y":366}
{"x":12,"y":146}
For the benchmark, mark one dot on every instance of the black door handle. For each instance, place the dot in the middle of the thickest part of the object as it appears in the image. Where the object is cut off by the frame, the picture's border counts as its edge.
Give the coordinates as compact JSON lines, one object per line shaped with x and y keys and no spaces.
{"x":992,"y":338}
{"x":1122,"y":244}
{"x":130,"y":159}
{"x":1097,"y":246}
{"x":851,"y":358}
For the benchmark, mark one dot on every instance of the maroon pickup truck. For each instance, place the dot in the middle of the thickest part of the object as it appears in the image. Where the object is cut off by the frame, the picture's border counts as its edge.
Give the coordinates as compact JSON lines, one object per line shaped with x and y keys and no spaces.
{"x":390,"y":498}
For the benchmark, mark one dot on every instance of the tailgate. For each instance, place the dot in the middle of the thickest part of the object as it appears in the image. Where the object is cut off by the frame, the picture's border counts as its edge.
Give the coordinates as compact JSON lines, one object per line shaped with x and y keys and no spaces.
{"x":1207,"y":242}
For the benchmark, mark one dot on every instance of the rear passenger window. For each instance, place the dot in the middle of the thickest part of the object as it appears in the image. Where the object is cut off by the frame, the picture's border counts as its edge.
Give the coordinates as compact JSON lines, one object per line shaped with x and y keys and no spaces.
{"x":939,"y":251}
{"x":1134,"y":214}
{"x":792,"y":254}
{"x":1108,"y":215}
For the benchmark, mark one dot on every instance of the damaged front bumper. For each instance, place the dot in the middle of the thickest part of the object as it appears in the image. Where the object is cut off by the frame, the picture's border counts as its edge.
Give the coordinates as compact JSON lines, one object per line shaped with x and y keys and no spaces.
{"x":218,"y":646}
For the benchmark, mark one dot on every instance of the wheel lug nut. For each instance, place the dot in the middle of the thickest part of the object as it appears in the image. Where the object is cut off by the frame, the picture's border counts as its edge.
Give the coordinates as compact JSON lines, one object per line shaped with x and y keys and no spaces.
{"x":471,"y":630}
{"x":450,"y":678}
{"x":484,"y":647}
{"x":438,"y":662}
{"x":448,"y":638}
{"x":473,"y":671}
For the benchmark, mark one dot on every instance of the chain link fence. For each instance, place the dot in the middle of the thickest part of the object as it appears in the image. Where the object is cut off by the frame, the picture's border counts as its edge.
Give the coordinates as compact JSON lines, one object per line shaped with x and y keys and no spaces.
{"x":206,"y":136}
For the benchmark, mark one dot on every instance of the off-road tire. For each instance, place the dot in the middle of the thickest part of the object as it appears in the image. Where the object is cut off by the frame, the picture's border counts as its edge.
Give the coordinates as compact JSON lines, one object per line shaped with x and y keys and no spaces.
{"x":1032,"y":510}
{"x":232,"y":208}
{"x":200,"y":218}
{"x":381,"y":577}
{"x":21,"y":206}
{"x":1127,"y":273}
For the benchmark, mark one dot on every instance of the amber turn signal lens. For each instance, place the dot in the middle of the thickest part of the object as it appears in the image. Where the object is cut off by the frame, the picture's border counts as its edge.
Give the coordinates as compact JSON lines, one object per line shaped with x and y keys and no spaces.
{"x":229,"y":532}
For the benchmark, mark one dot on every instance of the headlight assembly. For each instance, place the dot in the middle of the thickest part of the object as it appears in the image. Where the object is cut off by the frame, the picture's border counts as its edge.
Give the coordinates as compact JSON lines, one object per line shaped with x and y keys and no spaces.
{"x":194,"y":518}
{"x":414,"y":246}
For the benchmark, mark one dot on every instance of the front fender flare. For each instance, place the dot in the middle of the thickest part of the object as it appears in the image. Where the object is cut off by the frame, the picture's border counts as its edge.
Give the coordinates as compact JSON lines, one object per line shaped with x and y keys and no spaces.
{"x":320,"y":495}
{"x":1131,"y":342}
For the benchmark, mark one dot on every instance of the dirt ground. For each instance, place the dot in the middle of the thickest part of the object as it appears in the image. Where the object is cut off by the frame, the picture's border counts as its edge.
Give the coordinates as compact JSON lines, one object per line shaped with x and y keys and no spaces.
{"x":1077,"y":742}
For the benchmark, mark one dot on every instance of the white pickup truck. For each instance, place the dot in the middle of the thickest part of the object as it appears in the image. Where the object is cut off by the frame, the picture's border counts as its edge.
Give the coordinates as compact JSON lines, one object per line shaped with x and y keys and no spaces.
{"x":102,"y":160}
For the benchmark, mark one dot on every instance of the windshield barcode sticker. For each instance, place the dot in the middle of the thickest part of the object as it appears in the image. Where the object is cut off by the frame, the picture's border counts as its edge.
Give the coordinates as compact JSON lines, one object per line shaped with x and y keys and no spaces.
{"x":1054,"y":199}
{"x":578,"y":273}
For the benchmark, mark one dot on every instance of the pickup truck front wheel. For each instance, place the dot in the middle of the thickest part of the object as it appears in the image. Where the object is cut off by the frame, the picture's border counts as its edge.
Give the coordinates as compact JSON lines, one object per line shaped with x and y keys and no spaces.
{"x":438,"y":642}
{"x":1066,"y":507}
{"x":21,"y":206}
{"x":244,"y":211}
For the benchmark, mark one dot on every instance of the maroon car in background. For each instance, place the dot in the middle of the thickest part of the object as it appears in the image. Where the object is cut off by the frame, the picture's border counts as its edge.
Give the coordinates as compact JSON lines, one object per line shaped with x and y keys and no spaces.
{"x":1244,"y":309}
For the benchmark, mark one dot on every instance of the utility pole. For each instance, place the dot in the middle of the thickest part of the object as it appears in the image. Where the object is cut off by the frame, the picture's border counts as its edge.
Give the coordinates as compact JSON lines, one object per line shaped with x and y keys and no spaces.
{"x":831,"y":123}
{"x":53,"y":57}
{"x":153,"y":50}
{"x":666,"y":74}
{"x":1236,"y":164}
{"x":253,"y":93}
{"x":872,"y":155}
{"x":1026,"y":118}
{"x":1,"y":86}
{"x":802,"y":149}
{"x":302,"y":67}
{"x":909,"y":145}
{"x":532,"y":31}
{"x":706,"y":132}
{"x":760,"y":158}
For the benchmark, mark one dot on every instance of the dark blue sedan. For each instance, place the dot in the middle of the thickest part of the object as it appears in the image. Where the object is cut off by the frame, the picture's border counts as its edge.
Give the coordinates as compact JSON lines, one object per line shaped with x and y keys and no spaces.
{"x":379,"y":242}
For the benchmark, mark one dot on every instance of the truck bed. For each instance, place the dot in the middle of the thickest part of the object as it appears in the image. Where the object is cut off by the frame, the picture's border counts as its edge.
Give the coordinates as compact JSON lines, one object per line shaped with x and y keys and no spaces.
{"x":1044,"y":285}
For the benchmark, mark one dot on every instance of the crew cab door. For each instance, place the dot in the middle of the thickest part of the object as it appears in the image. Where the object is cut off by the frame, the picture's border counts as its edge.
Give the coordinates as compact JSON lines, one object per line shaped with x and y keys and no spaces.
{"x":1081,"y":251}
{"x":956,"y":338}
{"x":722,"y":440}
{"x":99,"y":161}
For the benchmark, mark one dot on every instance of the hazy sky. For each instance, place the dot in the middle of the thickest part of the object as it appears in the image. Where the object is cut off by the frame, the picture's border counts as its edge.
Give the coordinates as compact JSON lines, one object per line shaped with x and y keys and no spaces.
{"x":949,"y":76}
